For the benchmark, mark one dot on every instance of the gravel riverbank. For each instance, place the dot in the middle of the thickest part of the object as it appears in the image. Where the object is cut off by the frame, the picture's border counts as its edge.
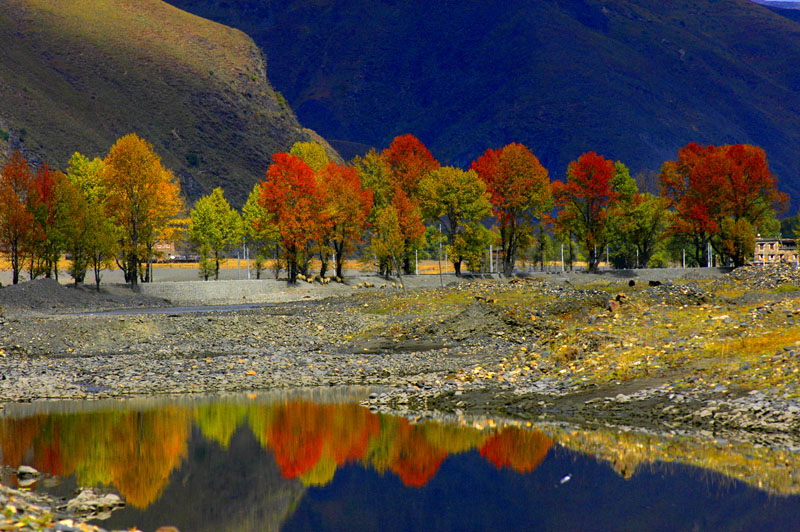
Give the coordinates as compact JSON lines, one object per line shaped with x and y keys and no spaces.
{"x":582,"y":349}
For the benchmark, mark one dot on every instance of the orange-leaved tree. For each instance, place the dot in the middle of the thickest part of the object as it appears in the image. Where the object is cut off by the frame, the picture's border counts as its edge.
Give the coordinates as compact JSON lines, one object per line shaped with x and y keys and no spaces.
{"x":15,"y":219}
{"x":519,"y":187}
{"x":347,"y":208}
{"x":584,"y":200}
{"x":290,"y":195}
{"x":142,"y":198}
{"x":408,"y":161}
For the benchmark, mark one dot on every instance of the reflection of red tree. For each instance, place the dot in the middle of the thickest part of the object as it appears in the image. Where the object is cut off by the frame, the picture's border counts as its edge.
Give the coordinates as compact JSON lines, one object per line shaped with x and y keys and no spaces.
{"x":416,"y":460}
{"x":48,"y":455}
{"x":521,"y":450}
{"x":303,"y":433}
{"x":17,"y":436}
{"x":296,"y":438}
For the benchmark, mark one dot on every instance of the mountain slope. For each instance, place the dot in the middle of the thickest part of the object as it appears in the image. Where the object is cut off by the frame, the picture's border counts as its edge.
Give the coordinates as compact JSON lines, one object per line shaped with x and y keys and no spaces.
{"x":634,"y":80}
{"x":75,"y":76}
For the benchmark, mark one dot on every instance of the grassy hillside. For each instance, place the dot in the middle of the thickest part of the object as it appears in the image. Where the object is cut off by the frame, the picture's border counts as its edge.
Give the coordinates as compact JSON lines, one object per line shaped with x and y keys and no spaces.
{"x":75,"y":76}
{"x":634,"y":80}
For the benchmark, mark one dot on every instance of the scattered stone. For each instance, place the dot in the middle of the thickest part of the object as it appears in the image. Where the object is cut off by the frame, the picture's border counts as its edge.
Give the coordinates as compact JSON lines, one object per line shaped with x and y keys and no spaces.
{"x":91,"y":505}
{"x":25,"y":471}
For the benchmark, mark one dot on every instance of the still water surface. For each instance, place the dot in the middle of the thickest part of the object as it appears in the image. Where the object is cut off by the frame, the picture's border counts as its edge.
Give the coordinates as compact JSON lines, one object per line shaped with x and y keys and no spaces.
{"x":312,"y":461}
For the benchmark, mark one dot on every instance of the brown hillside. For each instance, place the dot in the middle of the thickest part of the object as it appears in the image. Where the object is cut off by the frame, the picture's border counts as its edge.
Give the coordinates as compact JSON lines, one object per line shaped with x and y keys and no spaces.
{"x":75,"y":76}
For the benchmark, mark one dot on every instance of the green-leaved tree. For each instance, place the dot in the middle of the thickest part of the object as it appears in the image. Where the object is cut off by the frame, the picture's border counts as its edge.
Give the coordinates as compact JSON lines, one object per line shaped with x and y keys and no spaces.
{"x":215,"y":228}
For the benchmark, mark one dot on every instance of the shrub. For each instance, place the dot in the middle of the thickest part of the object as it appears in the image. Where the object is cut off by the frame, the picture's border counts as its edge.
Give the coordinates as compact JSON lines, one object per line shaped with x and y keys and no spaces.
{"x":787,"y":288}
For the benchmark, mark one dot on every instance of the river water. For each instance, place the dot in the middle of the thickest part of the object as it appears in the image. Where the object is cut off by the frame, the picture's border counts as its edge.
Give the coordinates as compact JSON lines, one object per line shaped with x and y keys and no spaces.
{"x":318,"y":461}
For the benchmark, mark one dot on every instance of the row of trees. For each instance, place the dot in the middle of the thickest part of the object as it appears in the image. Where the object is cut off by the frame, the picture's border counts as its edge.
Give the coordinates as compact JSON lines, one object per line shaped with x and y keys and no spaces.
{"x":710,"y":196}
{"x":389,"y":205}
{"x":100,"y":211}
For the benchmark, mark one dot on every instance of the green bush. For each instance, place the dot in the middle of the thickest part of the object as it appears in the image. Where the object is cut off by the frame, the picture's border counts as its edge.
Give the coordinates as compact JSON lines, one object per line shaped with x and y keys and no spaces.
{"x":787,"y":288}
{"x":281,"y":100}
{"x":192,"y":159}
{"x":4,"y":135}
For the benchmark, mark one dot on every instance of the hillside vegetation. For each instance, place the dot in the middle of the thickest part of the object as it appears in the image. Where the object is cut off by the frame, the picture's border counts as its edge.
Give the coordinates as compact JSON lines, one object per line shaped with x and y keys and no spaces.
{"x":631,"y":80}
{"x":75,"y":76}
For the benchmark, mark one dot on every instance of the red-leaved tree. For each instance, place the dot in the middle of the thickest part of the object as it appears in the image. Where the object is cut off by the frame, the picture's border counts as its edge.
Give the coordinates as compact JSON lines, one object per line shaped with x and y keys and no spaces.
{"x":408,"y":161}
{"x":44,"y":246}
{"x":15,"y":219}
{"x":520,"y":192}
{"x":720,"y":195}
{"x":290,"y":195}
{"x":347,"y":207}
{"x":584,"y":200}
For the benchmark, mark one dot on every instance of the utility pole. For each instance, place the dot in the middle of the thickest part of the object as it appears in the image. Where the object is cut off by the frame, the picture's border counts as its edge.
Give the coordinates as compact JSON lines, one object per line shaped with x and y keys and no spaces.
{"x":247,"y":260}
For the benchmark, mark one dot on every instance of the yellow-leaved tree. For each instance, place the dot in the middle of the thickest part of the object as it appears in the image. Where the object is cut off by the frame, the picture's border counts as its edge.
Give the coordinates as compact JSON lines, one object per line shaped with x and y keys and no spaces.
{"x":142,"y":199}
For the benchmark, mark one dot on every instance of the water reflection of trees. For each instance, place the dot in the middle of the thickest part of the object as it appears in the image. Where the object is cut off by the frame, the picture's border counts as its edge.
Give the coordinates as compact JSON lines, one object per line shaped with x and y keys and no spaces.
{"x":136,"y":451}
{"x":770,"y":469}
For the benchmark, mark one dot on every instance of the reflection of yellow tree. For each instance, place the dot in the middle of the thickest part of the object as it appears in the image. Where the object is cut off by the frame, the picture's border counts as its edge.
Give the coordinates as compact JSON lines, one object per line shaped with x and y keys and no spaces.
{"x":135,"y":451}
{"x":521,"y":450}
{"x":218,"y":421}
{"x":149,"y":446}
{"x":86,"y":445}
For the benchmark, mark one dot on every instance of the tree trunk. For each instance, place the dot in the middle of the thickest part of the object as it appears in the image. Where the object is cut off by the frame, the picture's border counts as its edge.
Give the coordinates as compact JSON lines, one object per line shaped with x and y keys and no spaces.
{"x":96,"y":266}
{"x":457,"y":267}
{"x":592,"y":259}
{"x":323,"y":267}
{"x":134,"y":270}
{"x":339,"y":259}
{"x":15,"y":262}
{"x":508,"y":265}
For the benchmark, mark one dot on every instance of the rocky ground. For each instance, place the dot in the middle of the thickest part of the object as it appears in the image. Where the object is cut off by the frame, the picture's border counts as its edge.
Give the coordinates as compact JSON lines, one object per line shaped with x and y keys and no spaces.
{"x":717,"y":356}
